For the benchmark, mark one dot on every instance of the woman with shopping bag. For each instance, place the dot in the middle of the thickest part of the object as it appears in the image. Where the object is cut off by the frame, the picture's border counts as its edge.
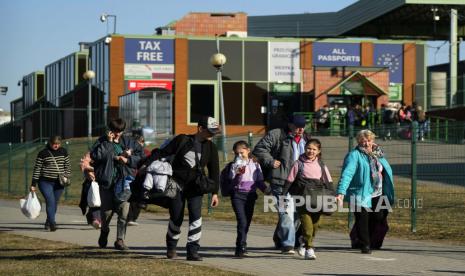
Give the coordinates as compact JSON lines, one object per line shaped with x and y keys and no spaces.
{"x":51,"y":173}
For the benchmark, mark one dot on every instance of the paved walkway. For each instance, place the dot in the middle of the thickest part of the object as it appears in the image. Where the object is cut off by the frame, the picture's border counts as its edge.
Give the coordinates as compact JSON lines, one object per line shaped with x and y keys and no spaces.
{"x":399,"y":257}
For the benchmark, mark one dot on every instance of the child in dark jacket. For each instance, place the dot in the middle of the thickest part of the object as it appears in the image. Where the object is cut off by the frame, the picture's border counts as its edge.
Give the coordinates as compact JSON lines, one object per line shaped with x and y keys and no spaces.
{"x":246,"y":176}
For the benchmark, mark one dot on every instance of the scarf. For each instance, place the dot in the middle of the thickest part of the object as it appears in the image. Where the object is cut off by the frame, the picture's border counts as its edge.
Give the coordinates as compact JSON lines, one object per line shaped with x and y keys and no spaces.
{"x":373,"y":157}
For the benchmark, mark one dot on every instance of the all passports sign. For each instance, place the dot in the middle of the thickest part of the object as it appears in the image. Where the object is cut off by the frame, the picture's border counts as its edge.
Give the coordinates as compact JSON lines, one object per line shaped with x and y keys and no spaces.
{"x":336,"y":54}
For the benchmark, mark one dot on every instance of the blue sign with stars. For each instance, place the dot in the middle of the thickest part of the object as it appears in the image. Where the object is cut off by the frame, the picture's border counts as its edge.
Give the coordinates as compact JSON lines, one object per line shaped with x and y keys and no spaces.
{"x":391,"y":56}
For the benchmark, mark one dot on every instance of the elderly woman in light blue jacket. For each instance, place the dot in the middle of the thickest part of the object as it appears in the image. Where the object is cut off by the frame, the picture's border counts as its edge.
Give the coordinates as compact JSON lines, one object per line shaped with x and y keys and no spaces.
{"x":367,"y":183}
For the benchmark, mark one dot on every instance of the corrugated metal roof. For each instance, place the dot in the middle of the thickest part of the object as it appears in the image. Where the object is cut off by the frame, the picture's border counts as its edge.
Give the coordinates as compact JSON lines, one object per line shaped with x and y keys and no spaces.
{"x":366,"y":18}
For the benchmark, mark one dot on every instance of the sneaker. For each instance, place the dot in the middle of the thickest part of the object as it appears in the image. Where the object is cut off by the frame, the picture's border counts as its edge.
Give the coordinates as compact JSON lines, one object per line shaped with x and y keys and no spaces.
{"x":171,"y":254}
{"x":119,"y":244}
{"x":310,"y":254}
{"x":194,"y":257}
{"x":96,"y":224}
{"x":47,"y":225}
{"x":301,"y":250}
{"x":132,"y":223}
{"x":103,"y":239}
{"x":288,"y":250}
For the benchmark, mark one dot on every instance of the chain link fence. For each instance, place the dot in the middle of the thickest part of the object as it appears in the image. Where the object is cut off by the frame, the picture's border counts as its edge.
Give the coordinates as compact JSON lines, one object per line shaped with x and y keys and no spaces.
{"x":429,"y":175}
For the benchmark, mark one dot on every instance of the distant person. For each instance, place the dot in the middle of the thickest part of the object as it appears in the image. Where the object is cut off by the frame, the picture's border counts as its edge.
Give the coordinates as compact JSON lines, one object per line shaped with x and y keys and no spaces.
{"x":423,"y":123}
{"x":389,"y":122}
{"x":50,"y":162}
{"x":367,"y":183}
{"x":246,"y":176}
{"x":134,"y":208}
{"x":92,"y":213}
{"x":277,"y":151}
{"x":306,"y":174}
{"x":115,"y":159}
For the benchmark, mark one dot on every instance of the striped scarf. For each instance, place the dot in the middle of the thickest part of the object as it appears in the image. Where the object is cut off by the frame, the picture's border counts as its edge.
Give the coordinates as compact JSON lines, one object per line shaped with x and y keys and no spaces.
{"x":373,"y":158}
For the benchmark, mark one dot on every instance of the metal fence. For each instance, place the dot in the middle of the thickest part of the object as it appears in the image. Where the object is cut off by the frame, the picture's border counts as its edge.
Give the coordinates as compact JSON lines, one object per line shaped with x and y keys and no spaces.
{"x":429,"y":176}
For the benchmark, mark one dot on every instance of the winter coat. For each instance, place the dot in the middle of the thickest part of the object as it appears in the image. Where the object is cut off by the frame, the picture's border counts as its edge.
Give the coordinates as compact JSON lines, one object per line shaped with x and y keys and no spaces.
{"x":103,"y":154}
{"x":276,"y":145}
{"x":183,"y":173}
{"x":355,"y":181}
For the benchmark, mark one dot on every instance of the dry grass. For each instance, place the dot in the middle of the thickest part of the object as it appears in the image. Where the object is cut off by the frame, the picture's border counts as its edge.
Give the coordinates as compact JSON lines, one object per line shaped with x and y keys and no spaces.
{"x":30,"y":256}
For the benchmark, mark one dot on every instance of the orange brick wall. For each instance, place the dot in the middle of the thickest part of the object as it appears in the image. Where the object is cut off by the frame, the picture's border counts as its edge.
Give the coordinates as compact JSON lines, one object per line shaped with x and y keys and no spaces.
{"x":306,"y":65}
{"x":366,"y":53}
{"x":204,"y":24}
{"x":117,"y":75}
{"x":181,"y":61}
{"x":409,"y":72}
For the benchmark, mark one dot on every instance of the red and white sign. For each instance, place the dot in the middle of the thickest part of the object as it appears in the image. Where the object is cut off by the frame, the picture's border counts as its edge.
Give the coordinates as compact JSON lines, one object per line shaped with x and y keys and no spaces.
{"x":135,"y":85}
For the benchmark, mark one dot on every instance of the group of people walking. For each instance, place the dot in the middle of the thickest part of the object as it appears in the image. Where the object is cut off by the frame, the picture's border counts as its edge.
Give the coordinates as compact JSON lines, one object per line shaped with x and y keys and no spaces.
{"x":289,"y":159}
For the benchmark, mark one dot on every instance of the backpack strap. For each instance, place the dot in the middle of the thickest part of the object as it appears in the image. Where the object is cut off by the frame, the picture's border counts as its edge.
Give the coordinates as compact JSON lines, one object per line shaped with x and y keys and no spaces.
{"x":300,"y":168}
{"x":324,"y":177}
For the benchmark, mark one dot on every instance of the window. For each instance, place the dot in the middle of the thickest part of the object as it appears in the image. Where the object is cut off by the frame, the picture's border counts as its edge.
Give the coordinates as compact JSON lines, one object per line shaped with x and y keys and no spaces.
{"x":232,"y":93}
{"x":255,"y":97}
{"x":202,"y":101}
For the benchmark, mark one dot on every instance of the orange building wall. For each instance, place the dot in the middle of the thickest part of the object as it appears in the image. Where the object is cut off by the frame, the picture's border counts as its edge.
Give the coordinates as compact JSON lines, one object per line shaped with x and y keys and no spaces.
{"x":209,"y":24}
{"x":117,"y":75}
{"x":306,"y":65}
{"x":366,"y":53}
{"x":409,"y":73}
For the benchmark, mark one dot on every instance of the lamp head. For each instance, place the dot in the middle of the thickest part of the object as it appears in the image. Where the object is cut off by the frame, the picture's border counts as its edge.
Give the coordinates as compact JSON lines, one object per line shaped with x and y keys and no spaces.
{"x":88,"y":75}
{"x":103,"y":17}
{"x":218,"y":60}
{"x":108,"y":40}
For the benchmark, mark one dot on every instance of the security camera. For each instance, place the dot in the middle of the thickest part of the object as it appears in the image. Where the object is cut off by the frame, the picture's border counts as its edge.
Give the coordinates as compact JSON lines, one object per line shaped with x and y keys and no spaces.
{"x":108,"y":40}
{"x":103,"y":17}
{"x":19,"y":83}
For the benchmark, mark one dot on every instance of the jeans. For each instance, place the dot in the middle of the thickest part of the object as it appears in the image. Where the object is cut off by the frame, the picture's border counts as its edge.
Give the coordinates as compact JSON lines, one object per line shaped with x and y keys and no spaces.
{"x":176,"y":209}
{"x":284,"y":233}
{"x":243,"y":205}
{"x":52,"y":192}
{"x":108,"y":206}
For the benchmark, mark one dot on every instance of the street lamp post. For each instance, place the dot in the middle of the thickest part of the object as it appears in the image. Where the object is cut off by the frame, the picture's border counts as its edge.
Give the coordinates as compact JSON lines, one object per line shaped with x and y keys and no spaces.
{"x":218,"y":60}
{"x":104,"y":17}
{"x":89,"y":75}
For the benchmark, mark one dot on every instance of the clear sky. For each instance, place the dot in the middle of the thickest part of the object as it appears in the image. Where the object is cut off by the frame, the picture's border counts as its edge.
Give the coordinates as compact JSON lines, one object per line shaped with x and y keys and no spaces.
{"x":36,"y":33}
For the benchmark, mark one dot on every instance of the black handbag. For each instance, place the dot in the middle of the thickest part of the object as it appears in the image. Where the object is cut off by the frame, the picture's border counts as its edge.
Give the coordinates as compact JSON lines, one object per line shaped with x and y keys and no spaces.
{"x":315,"y":189}
{"x":203,"y":184}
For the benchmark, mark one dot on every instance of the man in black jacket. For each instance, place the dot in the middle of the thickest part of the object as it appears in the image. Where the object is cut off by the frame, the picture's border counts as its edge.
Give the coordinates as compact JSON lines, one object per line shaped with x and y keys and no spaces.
{"x":115,"y":159}
{"x":191,"y":153}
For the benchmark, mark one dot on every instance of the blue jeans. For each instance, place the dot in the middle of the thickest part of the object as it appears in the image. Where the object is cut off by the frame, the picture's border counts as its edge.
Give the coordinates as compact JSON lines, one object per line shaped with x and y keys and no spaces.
{"x":243,"y":205}
{"x":285,"y":230}
{"x":52,"y":192}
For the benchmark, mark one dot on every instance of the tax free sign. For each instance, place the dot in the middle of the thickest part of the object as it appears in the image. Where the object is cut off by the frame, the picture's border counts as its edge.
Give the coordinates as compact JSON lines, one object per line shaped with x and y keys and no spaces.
{"x":149,"y":59}
{"x":149,"y":51}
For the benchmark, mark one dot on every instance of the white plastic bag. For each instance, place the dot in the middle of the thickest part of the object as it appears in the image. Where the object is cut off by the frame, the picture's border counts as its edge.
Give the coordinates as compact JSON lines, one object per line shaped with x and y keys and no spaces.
{"x":93,"y":196}
{"x":30,"y":206}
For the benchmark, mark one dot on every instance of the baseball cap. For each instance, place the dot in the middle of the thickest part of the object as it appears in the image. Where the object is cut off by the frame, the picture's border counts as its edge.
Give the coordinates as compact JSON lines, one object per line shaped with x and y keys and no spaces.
{"x":298,"y":120}
{"x":210,"y":123}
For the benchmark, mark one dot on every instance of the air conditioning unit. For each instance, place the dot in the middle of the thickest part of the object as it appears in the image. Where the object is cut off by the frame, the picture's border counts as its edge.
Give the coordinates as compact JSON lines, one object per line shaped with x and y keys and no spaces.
{"x":236,"y":34}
